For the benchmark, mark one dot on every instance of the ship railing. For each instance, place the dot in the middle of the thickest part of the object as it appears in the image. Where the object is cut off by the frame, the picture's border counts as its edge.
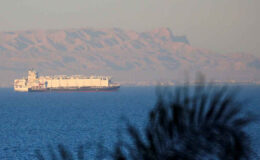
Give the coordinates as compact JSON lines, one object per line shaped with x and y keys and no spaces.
{"x":75,"y":77}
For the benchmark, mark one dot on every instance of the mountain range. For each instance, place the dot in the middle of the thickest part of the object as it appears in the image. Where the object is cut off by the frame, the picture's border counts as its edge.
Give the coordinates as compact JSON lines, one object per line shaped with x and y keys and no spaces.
{"x":128,"y":56}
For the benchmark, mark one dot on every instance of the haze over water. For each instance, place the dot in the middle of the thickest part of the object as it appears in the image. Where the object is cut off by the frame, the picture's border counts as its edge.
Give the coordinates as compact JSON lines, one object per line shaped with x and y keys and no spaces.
{"x":137,"y":43}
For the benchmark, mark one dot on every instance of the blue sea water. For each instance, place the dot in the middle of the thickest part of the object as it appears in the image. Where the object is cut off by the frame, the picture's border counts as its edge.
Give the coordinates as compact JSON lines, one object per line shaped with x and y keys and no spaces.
{"x":30,"y":121}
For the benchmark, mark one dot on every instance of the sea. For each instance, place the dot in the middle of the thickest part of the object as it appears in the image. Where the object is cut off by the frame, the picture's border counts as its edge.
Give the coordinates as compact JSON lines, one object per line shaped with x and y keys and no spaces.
{"x":36,"y":121}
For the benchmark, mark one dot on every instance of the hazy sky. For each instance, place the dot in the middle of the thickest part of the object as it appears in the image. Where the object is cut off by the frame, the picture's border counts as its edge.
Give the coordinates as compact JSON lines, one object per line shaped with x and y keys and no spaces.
{"x":219,"y":25}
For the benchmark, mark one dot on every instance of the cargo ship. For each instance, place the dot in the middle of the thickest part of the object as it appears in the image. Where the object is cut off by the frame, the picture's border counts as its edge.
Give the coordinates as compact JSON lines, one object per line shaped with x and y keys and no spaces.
{"x":36,"y":83}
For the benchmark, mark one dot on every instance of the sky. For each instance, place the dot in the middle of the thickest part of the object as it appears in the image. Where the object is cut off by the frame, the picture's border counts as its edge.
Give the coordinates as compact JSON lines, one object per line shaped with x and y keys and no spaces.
{"x":223,"y":26}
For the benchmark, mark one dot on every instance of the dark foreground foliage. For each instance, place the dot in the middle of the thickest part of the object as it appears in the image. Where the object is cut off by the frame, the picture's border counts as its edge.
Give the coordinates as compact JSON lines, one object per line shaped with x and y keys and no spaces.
{"x":63,"y":153}
{"x":191,"y":123}
{"x":195,"y":123}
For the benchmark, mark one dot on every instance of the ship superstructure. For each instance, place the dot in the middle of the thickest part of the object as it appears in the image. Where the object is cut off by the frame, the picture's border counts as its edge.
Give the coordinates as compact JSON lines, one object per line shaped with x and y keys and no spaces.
{"x":36,"y":83}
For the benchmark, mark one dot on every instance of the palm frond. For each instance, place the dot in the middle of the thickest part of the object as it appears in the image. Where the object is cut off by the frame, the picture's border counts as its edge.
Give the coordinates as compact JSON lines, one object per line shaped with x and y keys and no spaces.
{"x":198,"y":122}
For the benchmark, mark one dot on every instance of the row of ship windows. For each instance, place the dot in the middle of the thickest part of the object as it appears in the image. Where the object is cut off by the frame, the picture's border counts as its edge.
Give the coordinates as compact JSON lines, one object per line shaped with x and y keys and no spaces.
{"x":18,"y":86}
{"x":53,"y":78}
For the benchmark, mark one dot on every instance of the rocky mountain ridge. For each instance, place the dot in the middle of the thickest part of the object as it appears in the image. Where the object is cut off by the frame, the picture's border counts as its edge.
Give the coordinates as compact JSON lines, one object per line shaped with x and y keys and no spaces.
{"x":128,"y":56}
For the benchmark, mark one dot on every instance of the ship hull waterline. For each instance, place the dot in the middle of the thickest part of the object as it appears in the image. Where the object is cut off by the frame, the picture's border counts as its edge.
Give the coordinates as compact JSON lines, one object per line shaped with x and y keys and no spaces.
{"x":76,"y":89}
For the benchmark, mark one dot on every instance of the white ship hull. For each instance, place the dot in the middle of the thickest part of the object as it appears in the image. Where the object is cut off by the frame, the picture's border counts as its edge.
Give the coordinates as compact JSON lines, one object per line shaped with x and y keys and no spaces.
{"x":34,"y":83}
{"x":76,"y":89}
{"x":21,"y":89}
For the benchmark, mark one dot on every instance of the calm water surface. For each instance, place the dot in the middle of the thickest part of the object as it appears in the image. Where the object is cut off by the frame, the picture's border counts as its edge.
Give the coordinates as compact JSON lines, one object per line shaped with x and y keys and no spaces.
{"x":30,"y":121}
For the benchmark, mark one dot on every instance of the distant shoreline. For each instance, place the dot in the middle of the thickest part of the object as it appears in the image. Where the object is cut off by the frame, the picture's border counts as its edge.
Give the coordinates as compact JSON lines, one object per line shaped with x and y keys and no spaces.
{"x":173,"y":85}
